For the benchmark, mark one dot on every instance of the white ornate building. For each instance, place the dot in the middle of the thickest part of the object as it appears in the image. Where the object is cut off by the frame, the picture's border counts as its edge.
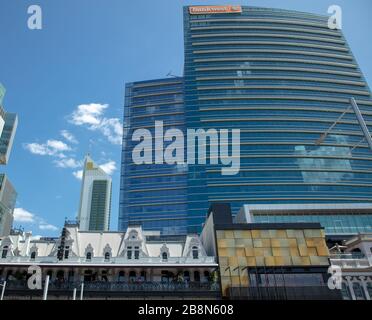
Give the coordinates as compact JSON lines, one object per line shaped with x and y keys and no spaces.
{"x":114,"y":262}
{"x":355,"y":260}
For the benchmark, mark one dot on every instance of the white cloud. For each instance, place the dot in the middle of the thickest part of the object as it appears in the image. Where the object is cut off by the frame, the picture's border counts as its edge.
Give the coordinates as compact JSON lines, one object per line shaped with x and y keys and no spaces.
{"x":91,"y":115}
{"x":88,"y":114}
{"x":67,"y":163}
{"x":36,"y":148}
{"x":50,"y":227}
{"x":112,"y":129}
{"x":108,"y":167}
{"x":57,"y":145}
{"x":78,"y":174}
{"x":50,"y":148}
{"x":22,"y":215}
{"x":69,"y":136}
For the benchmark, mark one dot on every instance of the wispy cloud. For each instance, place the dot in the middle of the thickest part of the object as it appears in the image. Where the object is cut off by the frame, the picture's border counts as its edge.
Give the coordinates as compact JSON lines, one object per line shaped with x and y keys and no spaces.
{"x":91,"y":116}
{"x":69,"y":136}
{"x":68,"y":163}
{"x":49,"y":227}
{"x":49,"y":148}
{"x":108,"y":167}
{"x":24,"y":216}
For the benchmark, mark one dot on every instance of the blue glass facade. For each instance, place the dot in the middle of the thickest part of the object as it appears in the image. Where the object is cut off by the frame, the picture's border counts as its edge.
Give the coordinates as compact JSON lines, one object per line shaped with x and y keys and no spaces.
{"x":282,"y":78}
{"x":153,"y":195}
{"x":334,"y":224}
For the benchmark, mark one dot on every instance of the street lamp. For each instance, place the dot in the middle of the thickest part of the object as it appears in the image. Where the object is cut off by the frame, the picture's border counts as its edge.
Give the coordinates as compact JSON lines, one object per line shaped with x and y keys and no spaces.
{"x":3,"y":290}
{"x":46,"y":286}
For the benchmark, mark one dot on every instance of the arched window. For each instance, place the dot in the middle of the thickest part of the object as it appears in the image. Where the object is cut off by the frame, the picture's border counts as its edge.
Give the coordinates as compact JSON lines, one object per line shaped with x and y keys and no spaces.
{"x":164,"y":256}
{"x":129,"y":253}
{"x":369,"y":288}
{"x":206,"y":276}
{"x":136,"y":253}
{"x":195,"y":252}
{"x":60,"y":275}
{"x":89,"y":256}
{"x":345,"y":291}
{"x":197,"y":276}
{"x":358,"y":291}
{"x":67,"y":252}
{"x":143,"y":276}
{"x":121,"y":276}
{"x":186,"y":275}
{"x":5,"y":252}
{"x":33,"y":255}
{"x":107,"y":256}
{"x":70,"y":276}
{"x":132,"y":276}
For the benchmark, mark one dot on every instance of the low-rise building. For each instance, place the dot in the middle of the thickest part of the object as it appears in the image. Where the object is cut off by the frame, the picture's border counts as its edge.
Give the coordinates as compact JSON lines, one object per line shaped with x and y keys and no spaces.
{"x":268,"y":260}
{"x":110,"y":264}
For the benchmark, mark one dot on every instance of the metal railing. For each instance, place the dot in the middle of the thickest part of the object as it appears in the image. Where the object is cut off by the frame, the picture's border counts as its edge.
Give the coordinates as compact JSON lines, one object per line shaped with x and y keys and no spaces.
{"x":113,"y":260}
{"x":351,"y":255}
{"x":117,"y":286}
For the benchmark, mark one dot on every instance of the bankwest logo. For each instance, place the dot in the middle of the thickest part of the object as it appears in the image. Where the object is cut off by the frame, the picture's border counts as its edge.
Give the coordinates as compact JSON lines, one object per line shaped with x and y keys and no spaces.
{"x":214,"y":9}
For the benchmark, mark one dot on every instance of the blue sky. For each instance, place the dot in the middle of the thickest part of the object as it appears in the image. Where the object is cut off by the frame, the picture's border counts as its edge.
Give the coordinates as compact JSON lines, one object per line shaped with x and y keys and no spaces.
{"x":66,"y":82}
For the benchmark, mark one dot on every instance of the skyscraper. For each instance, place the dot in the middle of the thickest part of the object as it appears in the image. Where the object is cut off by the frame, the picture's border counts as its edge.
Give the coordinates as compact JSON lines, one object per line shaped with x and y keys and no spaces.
{"x":8,"y":127}
{"x":7,"y":136}
{"x":283,"y":78}
{"x":153,"y":194}
{"x":7,"y":202}
{"x":95,"y":198}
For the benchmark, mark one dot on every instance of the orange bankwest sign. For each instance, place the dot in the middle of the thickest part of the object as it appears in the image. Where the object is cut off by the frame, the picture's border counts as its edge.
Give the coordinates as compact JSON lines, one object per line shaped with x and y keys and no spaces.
{"x":214,"y":9}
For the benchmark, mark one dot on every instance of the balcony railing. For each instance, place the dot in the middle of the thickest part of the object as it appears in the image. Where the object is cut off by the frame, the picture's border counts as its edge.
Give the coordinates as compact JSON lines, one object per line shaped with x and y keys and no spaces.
{"x":352,"y":255}
{"x":107,"y":286}
{"x":350,"y":260}
{"x":115,"y":260}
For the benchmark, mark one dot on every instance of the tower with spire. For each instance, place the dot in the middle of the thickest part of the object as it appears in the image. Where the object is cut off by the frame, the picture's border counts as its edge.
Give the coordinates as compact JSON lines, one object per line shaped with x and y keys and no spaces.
{"x":95,"y":198}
